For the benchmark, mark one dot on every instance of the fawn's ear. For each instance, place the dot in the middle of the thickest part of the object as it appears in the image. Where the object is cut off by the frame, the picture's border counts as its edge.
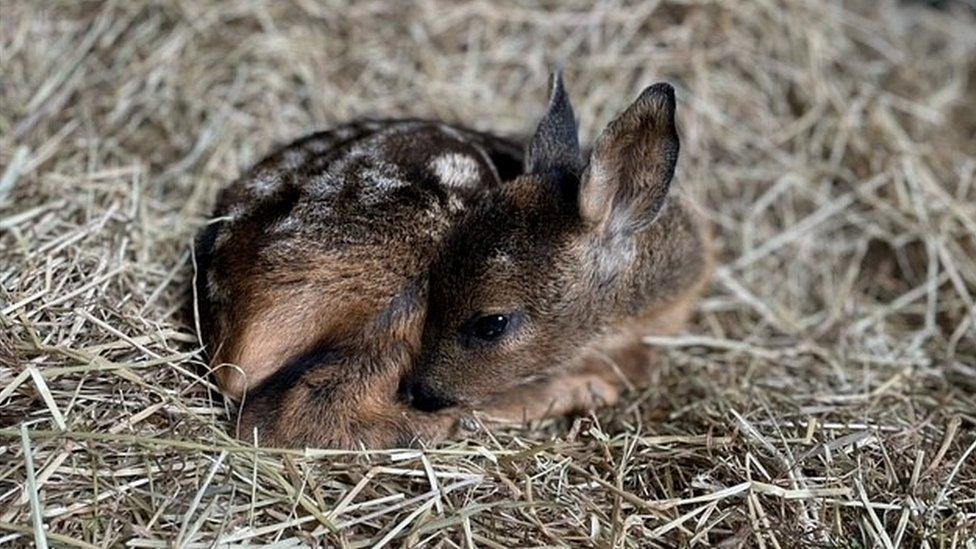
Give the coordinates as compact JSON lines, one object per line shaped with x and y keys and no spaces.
{"x":555,"y":145}
{"x":626,"y":182}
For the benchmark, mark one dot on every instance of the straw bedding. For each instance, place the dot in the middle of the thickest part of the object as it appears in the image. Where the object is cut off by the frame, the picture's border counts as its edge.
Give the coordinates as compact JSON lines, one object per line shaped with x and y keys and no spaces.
{"x":823,"y":397}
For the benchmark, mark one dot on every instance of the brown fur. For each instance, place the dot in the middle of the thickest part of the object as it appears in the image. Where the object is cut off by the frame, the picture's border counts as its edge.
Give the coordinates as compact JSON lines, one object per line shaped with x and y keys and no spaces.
{"x":375,"y":283}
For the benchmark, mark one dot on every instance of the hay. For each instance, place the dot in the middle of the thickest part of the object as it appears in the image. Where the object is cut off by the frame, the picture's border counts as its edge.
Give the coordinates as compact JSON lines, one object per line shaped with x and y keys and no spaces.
{"x":825,"y":395}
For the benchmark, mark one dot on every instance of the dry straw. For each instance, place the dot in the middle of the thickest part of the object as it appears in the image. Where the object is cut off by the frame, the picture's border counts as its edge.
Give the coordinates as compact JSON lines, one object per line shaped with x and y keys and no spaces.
{"x":824,"y":396}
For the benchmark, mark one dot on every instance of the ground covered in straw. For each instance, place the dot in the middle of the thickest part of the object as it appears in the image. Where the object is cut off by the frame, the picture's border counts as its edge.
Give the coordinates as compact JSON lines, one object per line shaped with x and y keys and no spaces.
{"x":825,"y":395}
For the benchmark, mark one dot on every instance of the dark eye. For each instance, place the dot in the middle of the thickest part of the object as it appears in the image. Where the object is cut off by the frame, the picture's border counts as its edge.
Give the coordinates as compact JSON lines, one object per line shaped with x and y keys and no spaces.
{"x":489,"y":327}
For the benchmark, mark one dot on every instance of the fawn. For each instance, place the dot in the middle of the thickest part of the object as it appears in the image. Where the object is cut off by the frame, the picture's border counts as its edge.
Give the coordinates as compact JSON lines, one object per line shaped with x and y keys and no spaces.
{"x":374,"y":284}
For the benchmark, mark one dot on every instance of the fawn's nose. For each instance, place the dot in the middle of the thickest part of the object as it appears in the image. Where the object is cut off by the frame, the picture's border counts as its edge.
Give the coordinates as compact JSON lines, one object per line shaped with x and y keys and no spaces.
{"x":422,"y":396}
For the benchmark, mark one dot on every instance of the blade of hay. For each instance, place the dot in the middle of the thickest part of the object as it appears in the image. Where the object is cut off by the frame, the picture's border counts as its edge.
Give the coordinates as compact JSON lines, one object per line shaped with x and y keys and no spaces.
{"x":14,"y":383}
{"x":45,"y":393}
{"x":198,"y":498}
{"x":62,"y":539}
{"x":40,"y":539}
{"x":881,"y":536}
{"x":12,"y":173}
{"x":406,"y":521}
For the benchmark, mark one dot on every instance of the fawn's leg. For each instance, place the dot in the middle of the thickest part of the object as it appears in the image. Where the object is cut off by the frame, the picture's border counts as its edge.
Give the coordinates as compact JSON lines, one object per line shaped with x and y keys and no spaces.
{"x":560,"y":396}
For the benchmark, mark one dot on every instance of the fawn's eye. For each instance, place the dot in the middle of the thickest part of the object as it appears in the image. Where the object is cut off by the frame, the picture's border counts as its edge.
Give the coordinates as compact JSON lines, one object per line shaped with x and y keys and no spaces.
{"x":488,"y":328}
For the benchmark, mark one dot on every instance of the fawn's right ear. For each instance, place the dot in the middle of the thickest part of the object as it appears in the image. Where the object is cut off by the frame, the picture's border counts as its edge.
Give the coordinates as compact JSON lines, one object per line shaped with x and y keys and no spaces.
{"x":626,"y":182}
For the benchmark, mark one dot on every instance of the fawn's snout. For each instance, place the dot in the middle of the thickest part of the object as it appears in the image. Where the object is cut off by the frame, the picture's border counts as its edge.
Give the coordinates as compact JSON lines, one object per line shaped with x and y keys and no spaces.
{"x":421,"y":395}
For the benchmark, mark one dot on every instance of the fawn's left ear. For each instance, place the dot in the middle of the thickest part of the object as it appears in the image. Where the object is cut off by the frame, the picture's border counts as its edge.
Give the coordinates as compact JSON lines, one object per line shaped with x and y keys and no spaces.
{"x":555,"y":145}
{"x":629,"y":174}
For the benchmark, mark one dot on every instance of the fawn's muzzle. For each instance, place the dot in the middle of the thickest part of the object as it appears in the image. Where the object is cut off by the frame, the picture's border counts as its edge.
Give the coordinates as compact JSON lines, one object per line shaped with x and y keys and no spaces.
{"x":422,"y":396}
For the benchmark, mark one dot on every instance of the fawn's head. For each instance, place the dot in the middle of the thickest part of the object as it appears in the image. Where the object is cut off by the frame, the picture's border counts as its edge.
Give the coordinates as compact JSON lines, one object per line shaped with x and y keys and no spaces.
{"x":550,"y":262}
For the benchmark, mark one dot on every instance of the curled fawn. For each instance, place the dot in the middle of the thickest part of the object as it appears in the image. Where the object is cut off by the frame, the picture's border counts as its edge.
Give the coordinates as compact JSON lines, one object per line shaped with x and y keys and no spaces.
{"x":373,"y":284}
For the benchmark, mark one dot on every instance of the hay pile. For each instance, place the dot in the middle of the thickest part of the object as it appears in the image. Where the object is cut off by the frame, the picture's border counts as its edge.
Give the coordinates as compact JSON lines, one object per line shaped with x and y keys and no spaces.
{"x":825,"y":397}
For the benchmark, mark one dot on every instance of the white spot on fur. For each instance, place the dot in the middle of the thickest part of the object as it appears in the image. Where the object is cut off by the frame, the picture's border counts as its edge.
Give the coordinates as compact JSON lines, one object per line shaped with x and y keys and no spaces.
{"x":502,"y":259}
{"x":323,"y":186}
{"x":454,"y":203}
{"x":289,"y":224}
{"x":383,"y":178}
{"x":378,"y":182}
{"x":456,"y":170}
{"x":263,"y":185}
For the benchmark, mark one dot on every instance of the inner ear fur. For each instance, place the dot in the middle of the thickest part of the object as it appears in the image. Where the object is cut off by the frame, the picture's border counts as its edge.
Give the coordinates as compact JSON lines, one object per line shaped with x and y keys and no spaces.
{"x":629,"y":174}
